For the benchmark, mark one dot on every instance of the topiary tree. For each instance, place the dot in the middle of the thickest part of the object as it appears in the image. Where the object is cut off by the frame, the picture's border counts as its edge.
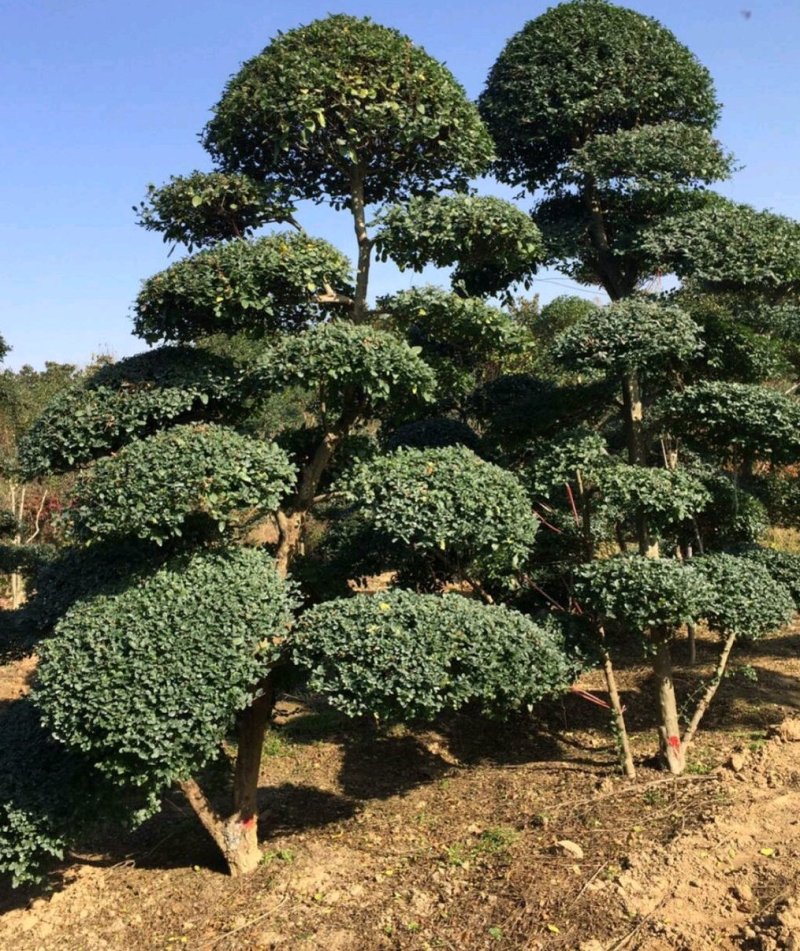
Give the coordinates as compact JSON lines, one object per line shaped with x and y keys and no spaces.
{"x":609,"y":120}
{"x":464,"y":518}
{"x":179,"y":654}
{"x":386,"y":123}
{"x":399,"y":654}
{"x":168,"y":629}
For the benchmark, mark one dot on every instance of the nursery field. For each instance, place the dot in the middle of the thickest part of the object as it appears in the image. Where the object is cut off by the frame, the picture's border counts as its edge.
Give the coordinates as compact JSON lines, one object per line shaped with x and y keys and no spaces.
{"x":447,"y":837}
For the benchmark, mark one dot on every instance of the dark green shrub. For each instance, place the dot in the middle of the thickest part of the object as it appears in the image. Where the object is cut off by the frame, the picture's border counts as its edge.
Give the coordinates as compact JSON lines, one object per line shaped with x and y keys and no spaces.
{"x":746,"y":600}
{"x":649,"y":597}
{"x":260,"y":286}
{"x":185,"y":478}
{"x":449,"y":506}
{"x":435,"y":433}
{"x":147,"y":683}
{"x":783,"y":567}
{"x":401,"y":655}
{"x":9,"y":525}
{"x":629,"y":335}
{"x":735,"y":421}
{"x":127,"y":400}
{"x":344,"y":92}
{"x":550,"y":463}
{"x":79,"y":573}
{"x":47,"y":794}
{"x":199,"y":209}
{"x":667,"y":497}
{"x":344,"y":361}
{"x":491,"y":242}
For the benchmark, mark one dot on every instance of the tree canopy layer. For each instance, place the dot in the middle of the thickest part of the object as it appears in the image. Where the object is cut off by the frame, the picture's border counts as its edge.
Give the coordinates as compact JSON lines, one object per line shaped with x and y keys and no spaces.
{"x":202,"y":208}
{"x":147,"y":683}
{"x":491,"y":242}
{"x":279,"y":282}
{"x":606,"y":111}
{"x":399,"y":654}
{"x":124,"y":401}
{"x":583,"y":69}
{"x":342,"y":98}
{"x":188,"y":478}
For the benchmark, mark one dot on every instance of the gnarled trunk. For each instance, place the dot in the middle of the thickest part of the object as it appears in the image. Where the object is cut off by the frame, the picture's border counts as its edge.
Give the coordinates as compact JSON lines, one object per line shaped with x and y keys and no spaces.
{"x":236,"y":834}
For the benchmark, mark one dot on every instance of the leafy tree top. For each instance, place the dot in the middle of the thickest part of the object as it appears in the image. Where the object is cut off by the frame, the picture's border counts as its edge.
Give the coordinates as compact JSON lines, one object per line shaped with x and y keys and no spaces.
{"x":342,"y":362}
{"x":147,"y":682}
{"x":735,"y":421}
{"x":184,"y":480}
{"x":648,"y":597}
{"x":448,"y":504}
{"x":126,"y":400}
{"x":668,"y":497}
{"x":433,"y":433}
{"x":628,"y":335}
{"x":448,"y":327}
{"x":655,"y":158}
{"x":747,"y":600}
{"x":730,"y":246}
{"x":201,"y":208}
{"x":345,"y":96}
{"x":401,"y":655}
{"x":491,"y":242}
{"x":280,"y":282}
{"x":582,"y":69}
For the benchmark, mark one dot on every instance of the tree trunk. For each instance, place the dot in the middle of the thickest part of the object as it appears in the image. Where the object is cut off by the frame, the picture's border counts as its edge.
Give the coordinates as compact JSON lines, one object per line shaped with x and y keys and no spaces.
{"x":711,"y":690}
{"x":290,"y":522}
{"x":236,"y":835}
{"x":672,"y":751}
{"x":236,"y":840}
{"x":365,"y":243}
{"x":632,"y":405}
{"x":626,"y":758}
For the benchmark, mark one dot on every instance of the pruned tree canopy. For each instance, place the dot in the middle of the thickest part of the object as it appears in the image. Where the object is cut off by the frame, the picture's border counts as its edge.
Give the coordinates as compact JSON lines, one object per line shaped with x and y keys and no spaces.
{"x":345,"y":96}
{"x":124,"y":401}
{"x":279,"y":282}
{"x":398,"y":654}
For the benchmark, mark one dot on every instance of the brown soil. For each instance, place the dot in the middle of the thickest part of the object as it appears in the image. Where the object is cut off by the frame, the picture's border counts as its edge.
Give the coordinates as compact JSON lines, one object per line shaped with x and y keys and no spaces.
{"x":449,"y":838}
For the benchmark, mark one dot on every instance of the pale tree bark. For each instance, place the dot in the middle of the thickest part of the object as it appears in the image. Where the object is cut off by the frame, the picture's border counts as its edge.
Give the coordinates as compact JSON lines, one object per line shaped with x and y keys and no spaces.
{"x":292,"y":520}
{"x":365,"y":243}
{"x":17,"y":497}
{"x":672,"y":750}
{"x":236,"y":833}
{"x":710,"y":692}
{"x":621,"y":731}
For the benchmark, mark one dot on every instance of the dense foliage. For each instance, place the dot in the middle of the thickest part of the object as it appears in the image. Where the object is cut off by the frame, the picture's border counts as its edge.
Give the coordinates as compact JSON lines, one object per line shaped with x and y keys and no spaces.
{"x":124,"y":401}
{"x":274,"y":283}
{"x":629,"y":335}
{"x":746,"y":600}
{"x":650,"y":597}
{"x":185,"y":479}
{"x":491,"y":242}
{"x":736,"y":421}
{"x":147,"y":682}
{"x":450,"y":506}
{"x":581,"y":69}
{"x":341,"y":96}
{"x":783,"y":567}
{"x":199,"y":209}
{"x":398,"y":654}
{"x":343,"y":362}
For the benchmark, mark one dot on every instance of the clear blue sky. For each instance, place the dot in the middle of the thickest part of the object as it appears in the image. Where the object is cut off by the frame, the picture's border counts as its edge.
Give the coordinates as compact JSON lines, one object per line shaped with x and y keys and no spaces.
{"x":100,"y":97}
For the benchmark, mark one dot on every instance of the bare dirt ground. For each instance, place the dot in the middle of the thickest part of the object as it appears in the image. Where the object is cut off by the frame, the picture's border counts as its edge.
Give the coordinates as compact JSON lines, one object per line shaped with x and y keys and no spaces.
{"x":449,"y":837}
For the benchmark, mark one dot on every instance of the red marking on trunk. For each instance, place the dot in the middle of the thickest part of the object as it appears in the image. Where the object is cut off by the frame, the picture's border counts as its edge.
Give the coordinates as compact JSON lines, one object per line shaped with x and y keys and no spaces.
{"x":674,"y":742}
{"x":249,"y":823}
